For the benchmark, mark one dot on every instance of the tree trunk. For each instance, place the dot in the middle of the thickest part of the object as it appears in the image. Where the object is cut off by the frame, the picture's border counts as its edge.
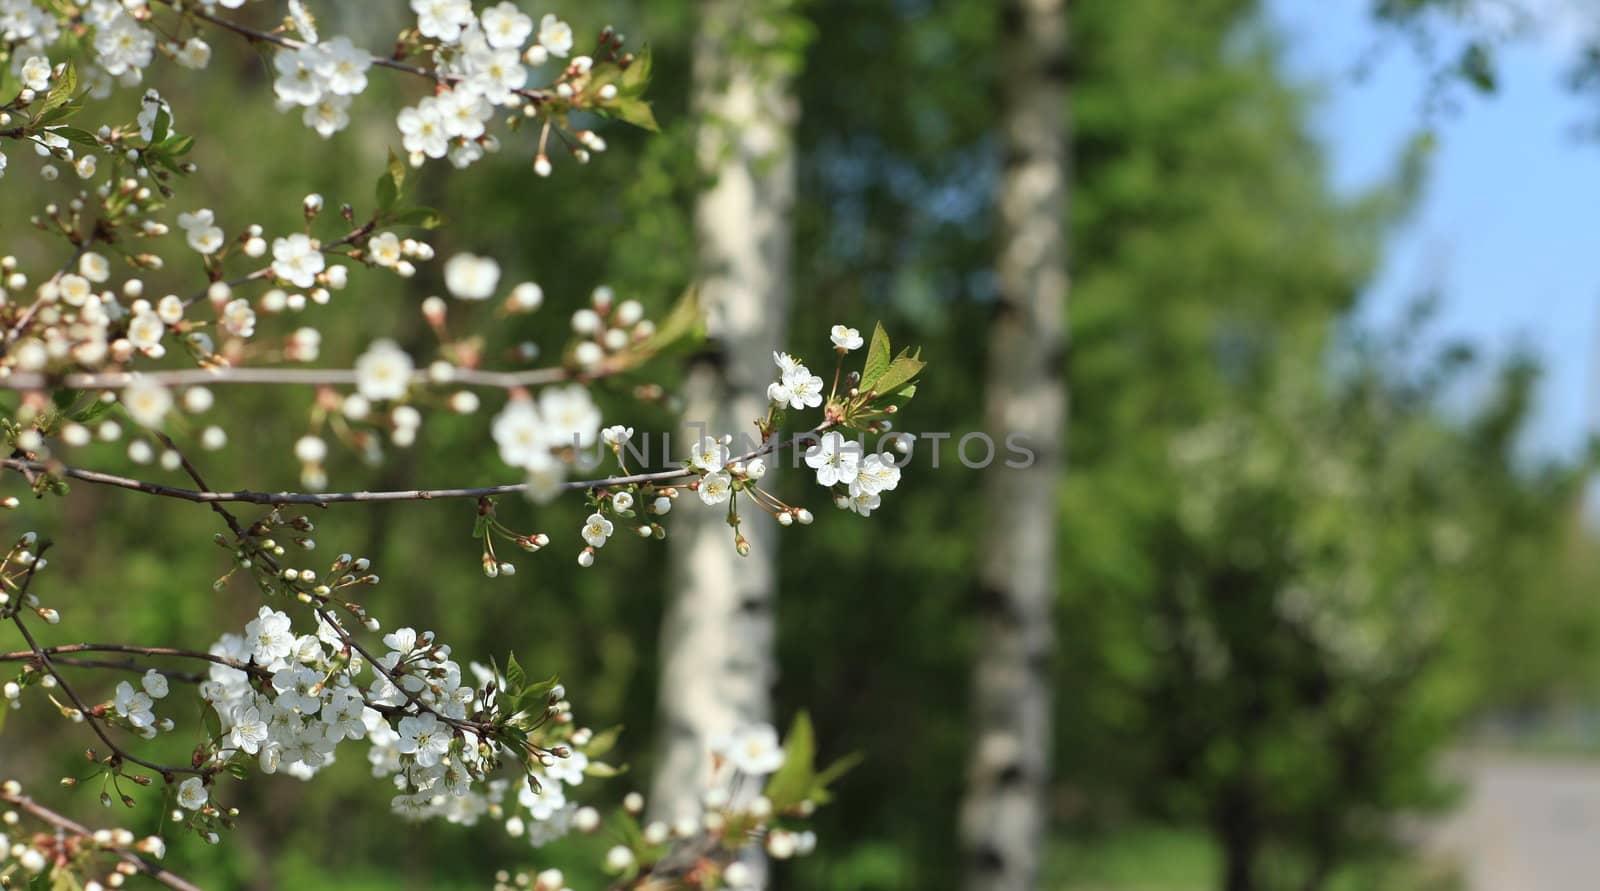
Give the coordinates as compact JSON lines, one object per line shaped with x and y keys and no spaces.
{"x":1004,"y":819}
{"x":717,"y":655}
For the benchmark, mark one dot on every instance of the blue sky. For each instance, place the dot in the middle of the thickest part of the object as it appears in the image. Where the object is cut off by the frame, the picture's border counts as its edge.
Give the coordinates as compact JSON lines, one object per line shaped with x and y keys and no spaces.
{"x":1507,"y":229}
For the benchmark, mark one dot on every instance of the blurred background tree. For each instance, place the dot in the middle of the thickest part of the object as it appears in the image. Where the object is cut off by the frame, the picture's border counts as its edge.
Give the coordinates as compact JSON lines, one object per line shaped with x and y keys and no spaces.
{"x":1293,"y":569}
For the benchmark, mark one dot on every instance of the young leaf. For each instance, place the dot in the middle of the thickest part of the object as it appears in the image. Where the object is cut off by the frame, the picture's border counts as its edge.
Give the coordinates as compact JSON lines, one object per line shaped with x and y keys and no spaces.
{"x":790,"y":785}
{"x":61,"y":91}
{"x":391,"y":183}
{"x":634,"y":111}
{"x":638,"y":73}
{"x":900,"y":373}
{"x":877,"y":358}
{"x":516,"y":678}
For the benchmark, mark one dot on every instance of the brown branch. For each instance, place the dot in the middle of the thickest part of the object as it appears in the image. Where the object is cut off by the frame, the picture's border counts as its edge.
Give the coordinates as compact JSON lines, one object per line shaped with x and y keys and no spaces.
{"x":148,"y":867}
{"x":166,"y":771}
{"x":58,"y":651}
{"x":328,"y":377}
{"x":322,"y":499}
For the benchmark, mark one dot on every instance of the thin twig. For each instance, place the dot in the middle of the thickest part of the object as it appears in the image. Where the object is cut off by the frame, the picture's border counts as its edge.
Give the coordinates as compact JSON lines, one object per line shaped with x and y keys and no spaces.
{"x":57,"y":651}
{"x":148,"y":867}
{"x":318,"y":377}
{"x":166,"y":770}
{"x":322,"y":499}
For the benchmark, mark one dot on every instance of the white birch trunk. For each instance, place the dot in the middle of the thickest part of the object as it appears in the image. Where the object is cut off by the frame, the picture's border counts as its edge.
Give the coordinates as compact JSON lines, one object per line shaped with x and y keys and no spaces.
{"x":718,"y":664}
{"x":1004,"y":818}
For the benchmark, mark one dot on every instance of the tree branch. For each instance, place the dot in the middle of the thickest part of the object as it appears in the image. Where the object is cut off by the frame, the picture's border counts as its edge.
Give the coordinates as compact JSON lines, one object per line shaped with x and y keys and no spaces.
{"x":58,"y":651}
{"x":148,"y":867}
{"x":328,"y":377}
{"x":322,"y":499}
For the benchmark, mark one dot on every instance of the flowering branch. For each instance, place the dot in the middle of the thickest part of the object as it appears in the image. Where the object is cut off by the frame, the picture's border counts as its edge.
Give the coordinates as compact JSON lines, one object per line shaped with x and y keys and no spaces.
{"x":323,"y":499}
{"x":92,"y":718}
{"x":13,"y":796}
{"x":57,"y":652}
{"x":329,"y":377}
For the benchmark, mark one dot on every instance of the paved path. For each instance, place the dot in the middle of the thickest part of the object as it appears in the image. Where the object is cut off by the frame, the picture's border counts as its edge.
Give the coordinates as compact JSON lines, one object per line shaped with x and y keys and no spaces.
{"x":1525,"y":824}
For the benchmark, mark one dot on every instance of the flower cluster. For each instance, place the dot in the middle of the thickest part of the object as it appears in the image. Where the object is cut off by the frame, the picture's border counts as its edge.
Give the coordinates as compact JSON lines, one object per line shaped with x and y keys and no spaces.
{"x":757,"y":790}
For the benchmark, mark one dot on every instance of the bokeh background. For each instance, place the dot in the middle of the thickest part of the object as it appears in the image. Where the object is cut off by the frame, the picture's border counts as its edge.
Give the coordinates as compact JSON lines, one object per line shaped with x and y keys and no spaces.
{"x":1325,"y":559}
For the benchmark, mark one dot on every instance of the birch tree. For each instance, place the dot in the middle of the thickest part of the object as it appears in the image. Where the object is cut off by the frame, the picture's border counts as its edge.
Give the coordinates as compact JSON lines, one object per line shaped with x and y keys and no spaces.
{"x":717,"y":638}
{"x":1003,"y":819}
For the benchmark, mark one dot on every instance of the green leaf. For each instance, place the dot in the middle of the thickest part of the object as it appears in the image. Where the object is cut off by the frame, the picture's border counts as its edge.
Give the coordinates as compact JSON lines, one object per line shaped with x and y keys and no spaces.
{"x":826,"y":777}
{"x":424,"y":217}
{"x":163,"y":126}
{"x":900,"y":373}
{"x":685,"y":323}
{"x":61,"y":91}
{"x":603,"y":742}
{"x":627,"y":828}
{"x":392,"y":182}
{"x":877,"y":358}
{"x":73,"y":134}
{"x":635,"y":111}
{"x":208,"y":717}
{"x":603,"y":770}
{"x":638,"y":74}
{"x":516,"y":678}
{"x":792,"y":783}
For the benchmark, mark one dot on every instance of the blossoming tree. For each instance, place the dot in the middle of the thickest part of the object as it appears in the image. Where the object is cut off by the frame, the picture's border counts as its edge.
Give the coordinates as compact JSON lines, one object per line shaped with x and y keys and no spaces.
{"x":110,"y":346}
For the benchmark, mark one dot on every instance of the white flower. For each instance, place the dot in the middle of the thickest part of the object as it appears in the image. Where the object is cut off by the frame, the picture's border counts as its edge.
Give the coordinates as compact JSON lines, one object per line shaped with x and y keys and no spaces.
{"x":383,"y":371}
{"x":505,"y":26}
{"x":238,"y":318}
{"x":568,"y":770}
{"x":328,"y":115}
{"x":75,"y":289}
{"x":754,"y":750}
{"x":877,"y":474}
{"x":123,"y":46}
{"x":443,"y":19}
{"x":36,"y":73}
{"x":205,"y":239}
{"x":555,"y":36}
{"x":422,"y":129}
{"x":835,"y":459}
{"x":864,"y":503}
{"x":192,"y":793}
{"x":425,"y":738}
{"x":384,"y":249}
{"x":401,"y":640}
{"x":147,"y":402}
{"x":200,"y":219}
{"x":471,"y":277}
{"x":268,"y":636}
{"x":520,"y":434}
{"x":596,"y":530}
{"x":716,"y":487}
{"x":463,"y":112}
{"x":249,"y":730}
{"x":298,"y":82}
{"x":310,"y":449}
{"x":343,"y":66}
{"x":786,"y":363}
{"x":572,"y":416}
{"x":135,"y":706}
{"x":845,"y":338}
{"x":803,"y":387}
{"x":622,"y":501}
{"x":710,"y":454}
{"x":154,"y":683}
{"x":195,"y":54}
{"x":146,"y":329}
{"x":296,"y":260}
{"x":616,"y":434}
